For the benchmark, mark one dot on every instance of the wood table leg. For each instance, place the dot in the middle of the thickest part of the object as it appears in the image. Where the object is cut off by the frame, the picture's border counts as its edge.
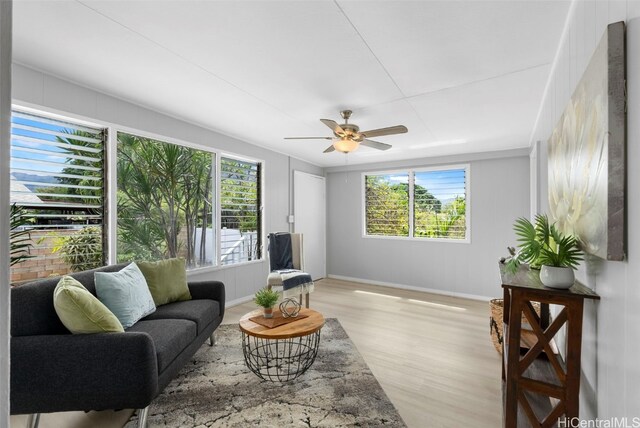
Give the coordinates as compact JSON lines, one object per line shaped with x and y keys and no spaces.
{"x":574,"y":346}
{"x":544,"y":315}
{"x":513,"y":359}
{"x":505,"y":321}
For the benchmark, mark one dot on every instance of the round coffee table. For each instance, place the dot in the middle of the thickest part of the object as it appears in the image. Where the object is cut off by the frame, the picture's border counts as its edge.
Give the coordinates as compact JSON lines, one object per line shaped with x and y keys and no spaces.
{"x":282,"y":353}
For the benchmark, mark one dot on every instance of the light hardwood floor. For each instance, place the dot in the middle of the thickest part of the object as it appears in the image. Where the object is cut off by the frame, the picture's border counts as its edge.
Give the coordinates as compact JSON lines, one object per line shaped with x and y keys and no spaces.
{"x":432,"y":355}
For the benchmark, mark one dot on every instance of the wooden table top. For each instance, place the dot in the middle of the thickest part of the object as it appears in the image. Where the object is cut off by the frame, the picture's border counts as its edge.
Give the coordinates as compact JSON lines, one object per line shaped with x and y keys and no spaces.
{"x":302,"y":327}
{"x":530,"y":279}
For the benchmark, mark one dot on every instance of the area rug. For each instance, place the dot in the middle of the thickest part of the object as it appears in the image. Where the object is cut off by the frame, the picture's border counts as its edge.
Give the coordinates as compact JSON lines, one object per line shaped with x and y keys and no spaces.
{"x":218,"y":390}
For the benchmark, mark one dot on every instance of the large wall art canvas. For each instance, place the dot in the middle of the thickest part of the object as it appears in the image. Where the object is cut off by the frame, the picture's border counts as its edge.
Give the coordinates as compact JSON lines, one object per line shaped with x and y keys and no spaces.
{"x":586,"y":154}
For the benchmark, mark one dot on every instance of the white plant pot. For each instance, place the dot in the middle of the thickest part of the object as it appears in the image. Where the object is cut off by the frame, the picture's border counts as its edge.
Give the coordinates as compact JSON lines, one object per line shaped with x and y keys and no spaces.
{"x":557,"y":277}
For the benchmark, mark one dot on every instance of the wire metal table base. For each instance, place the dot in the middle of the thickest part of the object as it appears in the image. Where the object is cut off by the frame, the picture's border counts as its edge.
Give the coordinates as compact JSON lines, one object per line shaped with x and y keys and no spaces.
{"x":280,"y":360}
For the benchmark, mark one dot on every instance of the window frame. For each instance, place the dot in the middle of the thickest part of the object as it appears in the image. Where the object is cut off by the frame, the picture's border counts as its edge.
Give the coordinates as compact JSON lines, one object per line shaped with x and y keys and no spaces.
{"x":411,"y":171}
{"x":78,"y":122}
{"x":111,"y":149}
{"x":218,"y":208}
{"x":112,"y":195}
{"x":363,"y":189}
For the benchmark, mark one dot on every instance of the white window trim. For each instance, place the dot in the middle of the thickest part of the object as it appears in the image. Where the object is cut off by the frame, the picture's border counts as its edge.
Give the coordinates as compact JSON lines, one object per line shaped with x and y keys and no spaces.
{"x":411,"y":171}
{"x":112,"y":191}
{"x":206,"y":269}
{"x":218,"y":215}
{"x":219,"y":154}
{"x":112,"y":196}
{"x":57,"y":114}
{"x":363,"y":203}
{"x":263,"y":234}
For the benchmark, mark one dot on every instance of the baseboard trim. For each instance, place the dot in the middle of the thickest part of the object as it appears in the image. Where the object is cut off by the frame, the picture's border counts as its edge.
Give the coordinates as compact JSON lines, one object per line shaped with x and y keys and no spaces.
{"x":239,"y":301}
{"x":411,"y":287}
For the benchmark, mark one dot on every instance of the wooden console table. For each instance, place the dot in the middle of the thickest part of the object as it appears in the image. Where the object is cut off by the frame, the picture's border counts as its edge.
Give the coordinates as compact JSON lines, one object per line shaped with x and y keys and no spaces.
{"x":538,"y":371}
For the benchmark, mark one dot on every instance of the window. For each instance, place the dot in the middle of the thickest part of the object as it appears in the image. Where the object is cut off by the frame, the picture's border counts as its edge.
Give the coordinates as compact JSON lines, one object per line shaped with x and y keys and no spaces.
{"x":166,"y":204}
{"x":57,"y":177}
{"x":165,"y":201}
{"x":387,"y":204}
{"x":169,"y":200}
{"x":240,"y":211}
{"x":423,"y":204}
{"x":439,"y":208}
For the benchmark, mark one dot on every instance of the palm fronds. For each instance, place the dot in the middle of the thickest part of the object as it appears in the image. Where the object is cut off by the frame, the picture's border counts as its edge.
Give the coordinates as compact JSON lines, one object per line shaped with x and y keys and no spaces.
{"x":19,"y":238}
{"x":543,"y":244}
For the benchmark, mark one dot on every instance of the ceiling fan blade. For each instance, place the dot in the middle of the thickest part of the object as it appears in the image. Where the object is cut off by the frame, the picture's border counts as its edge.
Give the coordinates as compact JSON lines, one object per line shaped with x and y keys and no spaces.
{"x":375,"y":144}
{"x":333,"y":125}
{"x":399,"y":129}
{"x":329,"y":149}
{"x":308,"y":138}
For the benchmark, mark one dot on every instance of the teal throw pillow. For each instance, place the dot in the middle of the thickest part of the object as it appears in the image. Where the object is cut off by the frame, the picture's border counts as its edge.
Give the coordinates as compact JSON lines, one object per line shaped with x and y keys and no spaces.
{"x":125,"y":293}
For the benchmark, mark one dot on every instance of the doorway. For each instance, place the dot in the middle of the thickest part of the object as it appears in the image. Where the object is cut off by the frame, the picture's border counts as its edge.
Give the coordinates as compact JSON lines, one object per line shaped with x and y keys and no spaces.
{"x":309,"y":210}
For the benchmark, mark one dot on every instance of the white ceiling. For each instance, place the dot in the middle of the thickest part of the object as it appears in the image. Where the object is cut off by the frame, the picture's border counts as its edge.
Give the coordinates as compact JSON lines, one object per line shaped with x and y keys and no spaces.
{"x":463,"y":76}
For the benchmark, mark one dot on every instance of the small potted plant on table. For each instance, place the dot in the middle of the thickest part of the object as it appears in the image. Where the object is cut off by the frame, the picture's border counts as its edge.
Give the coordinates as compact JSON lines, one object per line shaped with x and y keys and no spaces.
{"x":266,"y":298}
{"x":544,"y":248}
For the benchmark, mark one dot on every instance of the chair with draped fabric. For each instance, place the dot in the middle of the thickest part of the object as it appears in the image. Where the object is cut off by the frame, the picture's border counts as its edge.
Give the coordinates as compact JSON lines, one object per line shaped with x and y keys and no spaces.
{"x":286,"y":263}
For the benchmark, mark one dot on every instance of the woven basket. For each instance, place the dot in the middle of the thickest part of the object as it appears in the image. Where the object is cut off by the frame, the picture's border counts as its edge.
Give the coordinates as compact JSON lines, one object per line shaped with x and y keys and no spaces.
{"x":495,"y":323}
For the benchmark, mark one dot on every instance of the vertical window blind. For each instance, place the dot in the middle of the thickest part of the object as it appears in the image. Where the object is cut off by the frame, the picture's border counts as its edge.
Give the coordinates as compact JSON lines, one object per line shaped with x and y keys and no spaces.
{"x":240,"y":211}
{"x":57,"y":176}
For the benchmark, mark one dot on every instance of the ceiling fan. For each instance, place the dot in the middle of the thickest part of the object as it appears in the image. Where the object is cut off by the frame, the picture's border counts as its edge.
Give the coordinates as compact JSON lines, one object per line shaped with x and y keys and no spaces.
{"x":348,"y":137}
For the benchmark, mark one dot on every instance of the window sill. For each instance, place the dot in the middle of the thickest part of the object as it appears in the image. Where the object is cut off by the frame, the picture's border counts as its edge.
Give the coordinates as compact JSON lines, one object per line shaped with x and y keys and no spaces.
{"x":412,"y":239}
{"x":201,"y":270}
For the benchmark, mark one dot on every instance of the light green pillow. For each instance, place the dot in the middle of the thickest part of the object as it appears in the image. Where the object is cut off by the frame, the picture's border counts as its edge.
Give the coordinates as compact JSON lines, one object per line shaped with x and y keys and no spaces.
{"x":167,"y":280}
{"x":80,"y":311}
{"x":125,"y":293}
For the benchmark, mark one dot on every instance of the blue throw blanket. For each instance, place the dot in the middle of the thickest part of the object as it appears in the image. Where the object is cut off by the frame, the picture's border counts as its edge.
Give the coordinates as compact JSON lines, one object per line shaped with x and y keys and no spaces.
{"x":292,"y":278}
{"x":294,"y":281}
{"x":280,"y":253}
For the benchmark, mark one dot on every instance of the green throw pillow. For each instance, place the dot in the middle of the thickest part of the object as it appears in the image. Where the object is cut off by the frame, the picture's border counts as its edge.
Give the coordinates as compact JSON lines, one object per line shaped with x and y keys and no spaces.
{"x":80,"y":311}
{"x":167,"y":280}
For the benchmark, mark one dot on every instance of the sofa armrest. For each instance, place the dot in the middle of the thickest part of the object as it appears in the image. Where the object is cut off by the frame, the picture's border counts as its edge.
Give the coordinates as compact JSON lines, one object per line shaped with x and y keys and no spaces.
{"x":53,"y":373}
{"x":213,"y":290}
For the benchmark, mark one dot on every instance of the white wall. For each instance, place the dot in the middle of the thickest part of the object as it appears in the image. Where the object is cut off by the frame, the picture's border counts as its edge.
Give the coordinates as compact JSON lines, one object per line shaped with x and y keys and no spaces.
{"x":33,"y":88}
{"x":611,"y":340}
{"x":5,"y":117}
{"x":499,"y":194}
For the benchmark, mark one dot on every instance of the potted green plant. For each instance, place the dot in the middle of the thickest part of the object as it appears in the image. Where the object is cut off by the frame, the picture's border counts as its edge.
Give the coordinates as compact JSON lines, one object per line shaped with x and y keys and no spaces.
{"x":543,"y":247}
{"x":266,"y":298}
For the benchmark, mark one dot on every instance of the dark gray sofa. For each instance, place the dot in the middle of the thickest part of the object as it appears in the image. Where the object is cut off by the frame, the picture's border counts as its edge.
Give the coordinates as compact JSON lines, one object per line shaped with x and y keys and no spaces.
{"x":53,"y":370}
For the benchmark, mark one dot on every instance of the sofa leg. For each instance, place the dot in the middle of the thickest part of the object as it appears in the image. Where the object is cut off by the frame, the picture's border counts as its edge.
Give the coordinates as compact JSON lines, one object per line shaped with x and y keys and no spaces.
{"x":142,"y":417}
{"x":212,"y":339}
{"x":34,"y":420}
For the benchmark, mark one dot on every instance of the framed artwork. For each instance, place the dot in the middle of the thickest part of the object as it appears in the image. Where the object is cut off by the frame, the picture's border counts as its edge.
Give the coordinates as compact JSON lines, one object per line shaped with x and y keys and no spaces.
{"x":586,"y":154}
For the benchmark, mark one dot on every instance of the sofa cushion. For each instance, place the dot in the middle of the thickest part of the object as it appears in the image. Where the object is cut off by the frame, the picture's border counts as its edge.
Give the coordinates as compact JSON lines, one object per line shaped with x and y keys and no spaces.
{"x":201,"y":311}
{"x":126,"y":294}
{"x":167,"y":280}
{"x":80,"y":311}
{"x":170,"y":337}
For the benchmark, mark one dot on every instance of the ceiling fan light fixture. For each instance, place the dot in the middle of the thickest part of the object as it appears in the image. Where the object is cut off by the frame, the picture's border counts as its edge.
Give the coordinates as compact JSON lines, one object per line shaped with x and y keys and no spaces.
{"x":348,"y":136}
{"x":345,"y":144}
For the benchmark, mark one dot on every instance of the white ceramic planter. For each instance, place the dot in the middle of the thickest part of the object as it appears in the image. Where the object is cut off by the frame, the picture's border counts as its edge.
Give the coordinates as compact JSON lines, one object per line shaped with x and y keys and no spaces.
{"x":557,"y":277}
